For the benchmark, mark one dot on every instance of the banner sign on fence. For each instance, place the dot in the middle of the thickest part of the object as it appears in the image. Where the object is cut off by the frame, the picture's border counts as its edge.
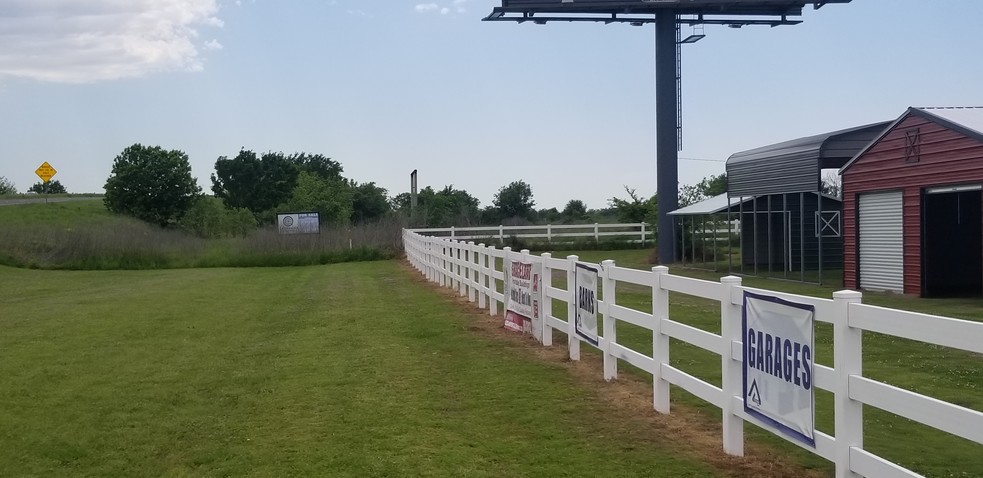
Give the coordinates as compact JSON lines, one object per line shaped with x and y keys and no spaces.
{"x":523,"y":296}
{"x":586,"y":287}
{"x":778,"y":364}
{"x":298,"y":223}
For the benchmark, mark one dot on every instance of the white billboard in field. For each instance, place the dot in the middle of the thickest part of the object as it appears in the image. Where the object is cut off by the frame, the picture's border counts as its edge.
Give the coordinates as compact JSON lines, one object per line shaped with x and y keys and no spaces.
{"x":298,"y":223}
{"x":778,"y":365}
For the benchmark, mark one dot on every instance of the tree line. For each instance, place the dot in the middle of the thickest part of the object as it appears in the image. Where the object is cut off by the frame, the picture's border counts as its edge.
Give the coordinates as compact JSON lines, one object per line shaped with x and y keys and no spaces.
{"x":156,"y":185}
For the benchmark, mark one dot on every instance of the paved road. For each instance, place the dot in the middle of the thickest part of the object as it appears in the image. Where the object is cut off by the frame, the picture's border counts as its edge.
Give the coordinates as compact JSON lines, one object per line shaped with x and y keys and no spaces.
{"x":13,"y":202}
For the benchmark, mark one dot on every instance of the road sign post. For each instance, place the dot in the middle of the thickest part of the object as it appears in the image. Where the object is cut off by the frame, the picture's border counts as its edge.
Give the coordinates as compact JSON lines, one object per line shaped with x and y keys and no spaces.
{"x":45,"y":172}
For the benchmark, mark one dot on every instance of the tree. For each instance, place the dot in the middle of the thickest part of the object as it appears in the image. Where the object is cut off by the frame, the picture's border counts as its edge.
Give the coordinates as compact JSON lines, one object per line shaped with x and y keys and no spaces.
{"x":707,"y":188}
{"x":7,"y":186}
{"x":515,"y":200}
{"x":317,"y":164}
{"x":574,"y":211}
{"x":831,"y":185}
{"x":54,"y":187}
{"x":151,"y":184}
{"x":258,"y":184}
{"x":369,"y":202}
{"x":447,"y":207}
{"x":636,"y":209}
{"x":331,"y":198}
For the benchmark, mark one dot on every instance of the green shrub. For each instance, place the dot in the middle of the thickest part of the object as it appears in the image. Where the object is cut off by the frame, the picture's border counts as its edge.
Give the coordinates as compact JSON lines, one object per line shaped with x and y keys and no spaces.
{"x":209,"y":218}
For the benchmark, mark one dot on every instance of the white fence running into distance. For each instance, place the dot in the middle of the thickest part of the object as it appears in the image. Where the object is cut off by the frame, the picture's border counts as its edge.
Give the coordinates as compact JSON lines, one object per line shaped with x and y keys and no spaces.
{"x":551,"y":233}
{"x":473,"y":270}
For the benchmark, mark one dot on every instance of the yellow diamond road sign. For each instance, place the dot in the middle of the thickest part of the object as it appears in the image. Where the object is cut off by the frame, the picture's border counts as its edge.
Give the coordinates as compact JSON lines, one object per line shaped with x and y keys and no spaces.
{"x":45,"y":172}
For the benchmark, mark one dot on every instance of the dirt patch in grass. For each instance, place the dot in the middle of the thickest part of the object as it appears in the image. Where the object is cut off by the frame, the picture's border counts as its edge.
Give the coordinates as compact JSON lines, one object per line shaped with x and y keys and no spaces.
{"x":691,"y":432}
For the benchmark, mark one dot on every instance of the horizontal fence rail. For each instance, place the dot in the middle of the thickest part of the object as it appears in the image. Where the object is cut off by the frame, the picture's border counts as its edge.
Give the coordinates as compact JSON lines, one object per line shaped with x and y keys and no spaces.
{"x":631,"y":232}
{"x":478,"y":272}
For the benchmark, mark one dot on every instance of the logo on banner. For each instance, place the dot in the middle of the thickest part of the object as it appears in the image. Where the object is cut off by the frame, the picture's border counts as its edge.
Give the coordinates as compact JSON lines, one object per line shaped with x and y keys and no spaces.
{"x":586,"y":289}
{"x":779,"y":364}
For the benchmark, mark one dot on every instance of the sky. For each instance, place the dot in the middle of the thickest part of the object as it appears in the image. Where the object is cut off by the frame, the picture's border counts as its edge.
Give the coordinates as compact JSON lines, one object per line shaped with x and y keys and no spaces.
{"x":388,"y":86}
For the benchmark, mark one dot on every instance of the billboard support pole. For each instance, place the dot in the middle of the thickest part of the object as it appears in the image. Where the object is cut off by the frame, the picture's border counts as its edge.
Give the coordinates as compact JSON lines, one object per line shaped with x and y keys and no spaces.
{"x":667,"y":154}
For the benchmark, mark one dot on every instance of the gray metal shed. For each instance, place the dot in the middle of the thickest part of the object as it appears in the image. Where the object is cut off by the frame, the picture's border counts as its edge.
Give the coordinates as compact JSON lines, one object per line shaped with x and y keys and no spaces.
{"x":794,"y":166}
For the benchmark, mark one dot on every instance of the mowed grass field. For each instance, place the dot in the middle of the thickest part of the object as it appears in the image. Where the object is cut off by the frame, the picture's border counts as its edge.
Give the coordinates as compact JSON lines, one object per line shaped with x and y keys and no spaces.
{"x":339,"y":370}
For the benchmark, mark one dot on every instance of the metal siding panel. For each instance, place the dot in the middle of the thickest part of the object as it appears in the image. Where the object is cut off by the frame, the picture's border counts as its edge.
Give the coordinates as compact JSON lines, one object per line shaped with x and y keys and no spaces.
{"x":881,"y":245}
{"x":761,"y":177}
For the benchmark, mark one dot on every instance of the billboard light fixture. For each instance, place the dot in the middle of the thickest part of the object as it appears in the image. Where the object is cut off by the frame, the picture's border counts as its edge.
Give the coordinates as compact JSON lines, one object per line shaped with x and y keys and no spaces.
{"x":693,"y":38}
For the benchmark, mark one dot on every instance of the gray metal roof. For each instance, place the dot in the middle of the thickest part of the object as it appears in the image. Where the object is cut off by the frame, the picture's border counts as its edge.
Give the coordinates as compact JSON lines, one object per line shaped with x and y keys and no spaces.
{"x":719,"y":204}
{"x":794,"y":166}
{"x":966,"y":120}
{"x":712,"y":205}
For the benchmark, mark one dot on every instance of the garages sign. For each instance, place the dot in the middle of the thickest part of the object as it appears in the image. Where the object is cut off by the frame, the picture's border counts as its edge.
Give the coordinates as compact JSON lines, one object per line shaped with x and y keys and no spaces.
{"x":778,"y":364}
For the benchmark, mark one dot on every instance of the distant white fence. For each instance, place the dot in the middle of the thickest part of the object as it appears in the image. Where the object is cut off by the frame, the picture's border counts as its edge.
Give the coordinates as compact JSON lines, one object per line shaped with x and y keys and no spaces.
{"x":474,"y":271}
{"x":634,"y":232}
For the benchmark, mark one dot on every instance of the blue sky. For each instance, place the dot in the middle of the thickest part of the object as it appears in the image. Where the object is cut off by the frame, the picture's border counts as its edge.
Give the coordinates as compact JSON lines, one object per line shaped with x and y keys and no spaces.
{"x":388,"y":86}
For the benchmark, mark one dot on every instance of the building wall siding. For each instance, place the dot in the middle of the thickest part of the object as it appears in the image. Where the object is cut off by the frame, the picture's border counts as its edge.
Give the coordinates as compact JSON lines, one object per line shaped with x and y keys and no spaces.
{"x":946,"y":157}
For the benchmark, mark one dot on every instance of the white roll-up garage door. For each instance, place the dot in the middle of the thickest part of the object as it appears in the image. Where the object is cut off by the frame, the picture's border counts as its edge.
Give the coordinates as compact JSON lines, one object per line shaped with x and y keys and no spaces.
{"x":881,"y":242}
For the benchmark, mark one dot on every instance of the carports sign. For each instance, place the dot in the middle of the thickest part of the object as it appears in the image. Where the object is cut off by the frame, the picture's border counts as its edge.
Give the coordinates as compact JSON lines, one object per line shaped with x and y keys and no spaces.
{"x":778,"y":365}
{"x":45,"y":172}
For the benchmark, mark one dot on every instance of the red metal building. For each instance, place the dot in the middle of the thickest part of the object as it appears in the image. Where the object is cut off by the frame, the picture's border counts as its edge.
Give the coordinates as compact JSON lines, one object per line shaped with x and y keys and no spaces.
{"x":912,"y":205}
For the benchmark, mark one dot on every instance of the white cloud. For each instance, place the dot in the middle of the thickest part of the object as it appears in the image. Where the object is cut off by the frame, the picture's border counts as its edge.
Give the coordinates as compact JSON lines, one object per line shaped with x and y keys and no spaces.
{"x":457,"y":6}
{"x":213,"y":45}
{"x":76,"y":42}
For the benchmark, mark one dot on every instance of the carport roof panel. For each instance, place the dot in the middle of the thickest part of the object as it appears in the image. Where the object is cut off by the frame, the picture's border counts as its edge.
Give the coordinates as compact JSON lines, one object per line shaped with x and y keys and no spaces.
{"x":714,"y":205}
{"x":794,"y":166}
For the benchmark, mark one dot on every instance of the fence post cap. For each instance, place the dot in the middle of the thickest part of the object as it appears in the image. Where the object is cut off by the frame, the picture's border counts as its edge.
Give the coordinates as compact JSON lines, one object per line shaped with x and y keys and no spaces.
{"x":660,"y":270}
{"x":546,"y":255}
{"x":573,"y":258}
{"x":730,"y":280}
{"x":847,"y":294}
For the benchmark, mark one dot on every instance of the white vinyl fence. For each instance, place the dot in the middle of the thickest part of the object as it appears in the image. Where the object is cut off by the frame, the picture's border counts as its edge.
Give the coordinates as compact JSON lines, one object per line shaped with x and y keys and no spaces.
{"x":633,"y":232}
{"x":473,"y":270}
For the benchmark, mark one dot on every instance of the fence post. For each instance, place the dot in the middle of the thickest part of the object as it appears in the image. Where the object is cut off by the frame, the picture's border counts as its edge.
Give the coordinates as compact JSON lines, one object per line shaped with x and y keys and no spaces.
{"x":492,"y":282}
{"x":732,"y":370}
{"x":482,"y":277}
{"x":472,"y":273}
{"x":501,"y":234}
{"x":610,"y":326}
{"x":506,"y":264}
{"x":443,"y":264}
{"x":549,"y":233}
{"x":597,"y":233}
{"x":573,"y":341}
{"x":847,"y":361}
{"x":643,"y":233}
{"x":660,"y":341}
{"x":546,"y":306}
{"x":461,"y":268}
{"x":452,"y":232}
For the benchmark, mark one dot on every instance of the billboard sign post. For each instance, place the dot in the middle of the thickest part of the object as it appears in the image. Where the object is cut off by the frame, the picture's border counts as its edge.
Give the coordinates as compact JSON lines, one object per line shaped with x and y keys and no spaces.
{"x":779,"y":365}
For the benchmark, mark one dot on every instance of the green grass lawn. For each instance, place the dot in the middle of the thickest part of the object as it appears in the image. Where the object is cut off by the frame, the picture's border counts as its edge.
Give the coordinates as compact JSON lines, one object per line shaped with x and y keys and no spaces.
{"x":341,"y":370}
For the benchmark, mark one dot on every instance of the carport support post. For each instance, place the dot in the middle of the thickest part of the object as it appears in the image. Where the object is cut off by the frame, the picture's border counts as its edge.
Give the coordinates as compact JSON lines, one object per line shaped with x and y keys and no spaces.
{"x":667,"y":160}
